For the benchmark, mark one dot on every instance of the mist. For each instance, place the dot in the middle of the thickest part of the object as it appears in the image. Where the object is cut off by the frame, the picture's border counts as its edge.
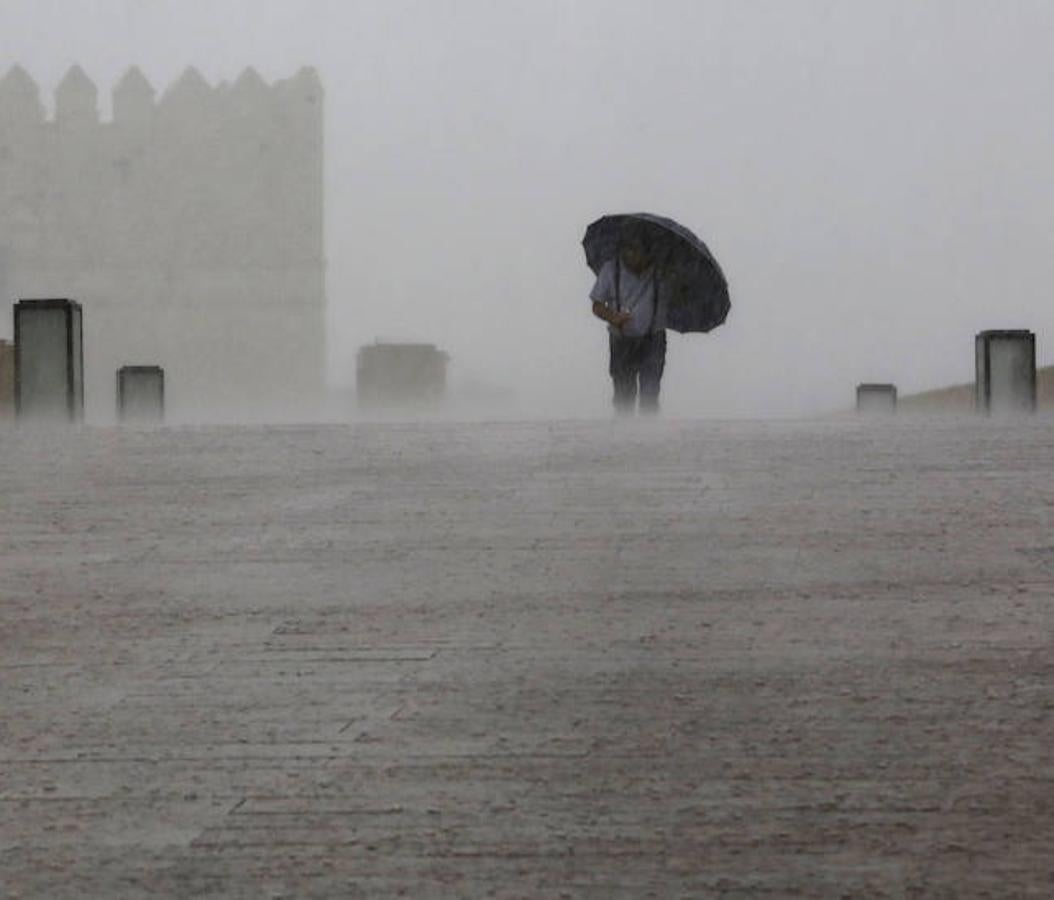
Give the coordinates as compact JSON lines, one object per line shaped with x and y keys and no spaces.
{"x":874,"y":178}
{"x":397,"y":576}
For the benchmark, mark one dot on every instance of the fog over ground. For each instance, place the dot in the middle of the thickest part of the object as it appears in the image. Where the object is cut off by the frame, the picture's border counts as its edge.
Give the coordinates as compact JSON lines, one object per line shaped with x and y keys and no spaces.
{"x":875,"y":177}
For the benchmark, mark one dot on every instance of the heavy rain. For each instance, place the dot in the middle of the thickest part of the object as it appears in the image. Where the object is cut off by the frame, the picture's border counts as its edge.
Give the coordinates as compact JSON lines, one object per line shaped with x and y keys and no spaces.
{"x":576,"y":448}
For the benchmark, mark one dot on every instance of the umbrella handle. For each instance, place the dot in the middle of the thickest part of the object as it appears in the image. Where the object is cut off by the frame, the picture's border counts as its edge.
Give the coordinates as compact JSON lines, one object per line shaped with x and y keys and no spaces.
{"x":654,"y":296}
{"x":618,"y":271}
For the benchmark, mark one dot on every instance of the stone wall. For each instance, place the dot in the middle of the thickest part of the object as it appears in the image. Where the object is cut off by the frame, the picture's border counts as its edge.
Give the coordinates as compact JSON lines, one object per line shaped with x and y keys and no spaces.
{"x":189,"y":227}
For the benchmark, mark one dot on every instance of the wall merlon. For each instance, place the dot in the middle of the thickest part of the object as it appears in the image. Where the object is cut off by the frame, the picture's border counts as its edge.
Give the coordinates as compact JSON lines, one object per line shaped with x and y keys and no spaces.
{"x":76,"y":83}
{"x":250,"y":81}
{"x":76,"y":99}
{"x":190,"y":87}
{"x":302,"y":94}
{"x":307,"y":76}
{"x":134,"y":84}
{"x":133,"y":100}
{"x":17,"y":81}
{"x":20,"y":95}
{"x":250,"y":94}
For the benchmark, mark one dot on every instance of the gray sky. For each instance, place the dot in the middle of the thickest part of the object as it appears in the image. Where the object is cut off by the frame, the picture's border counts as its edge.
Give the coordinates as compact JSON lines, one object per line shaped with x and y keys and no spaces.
{"x":875,"y":177}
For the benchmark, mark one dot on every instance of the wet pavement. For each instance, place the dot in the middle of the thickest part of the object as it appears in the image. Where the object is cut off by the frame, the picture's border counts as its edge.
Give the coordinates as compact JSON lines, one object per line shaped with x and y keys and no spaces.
{"x":529,"y":660}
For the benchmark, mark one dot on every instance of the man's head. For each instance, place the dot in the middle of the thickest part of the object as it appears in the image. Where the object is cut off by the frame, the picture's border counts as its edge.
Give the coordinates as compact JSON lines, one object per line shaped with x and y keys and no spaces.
{"x":636,"y":254}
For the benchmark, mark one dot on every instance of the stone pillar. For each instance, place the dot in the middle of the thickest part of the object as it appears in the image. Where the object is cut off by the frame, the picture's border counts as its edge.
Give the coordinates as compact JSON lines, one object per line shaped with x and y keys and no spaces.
{"x":7,"y":379}
{"x":49,"y":360}
{"x":141,"y":394}
{"x":1006,"y":372}
{"x":880,"y":399}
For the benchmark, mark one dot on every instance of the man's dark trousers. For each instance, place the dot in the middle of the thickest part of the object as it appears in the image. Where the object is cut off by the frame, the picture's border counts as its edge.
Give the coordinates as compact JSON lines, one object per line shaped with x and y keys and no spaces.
{"x":634,"y":358}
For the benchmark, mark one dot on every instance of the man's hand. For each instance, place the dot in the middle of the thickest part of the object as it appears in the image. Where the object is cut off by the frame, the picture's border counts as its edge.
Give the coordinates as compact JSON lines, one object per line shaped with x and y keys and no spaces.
{"x":617,"y":319}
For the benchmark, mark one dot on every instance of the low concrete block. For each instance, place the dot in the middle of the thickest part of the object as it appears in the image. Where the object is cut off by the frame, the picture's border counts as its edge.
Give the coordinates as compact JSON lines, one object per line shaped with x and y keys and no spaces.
{"x":876,"y":399}
{"x":141,"y":394}
{"x":400,"y":376}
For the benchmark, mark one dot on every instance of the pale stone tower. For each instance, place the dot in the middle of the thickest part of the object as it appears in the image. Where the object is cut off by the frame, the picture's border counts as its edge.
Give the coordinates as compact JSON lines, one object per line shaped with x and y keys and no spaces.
{"x":190,"y":230}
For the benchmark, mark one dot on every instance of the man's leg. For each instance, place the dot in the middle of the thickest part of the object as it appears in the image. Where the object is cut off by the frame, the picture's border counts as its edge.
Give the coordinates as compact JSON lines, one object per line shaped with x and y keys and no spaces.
{"x":623,"y":373}
{"x":653,"y":361}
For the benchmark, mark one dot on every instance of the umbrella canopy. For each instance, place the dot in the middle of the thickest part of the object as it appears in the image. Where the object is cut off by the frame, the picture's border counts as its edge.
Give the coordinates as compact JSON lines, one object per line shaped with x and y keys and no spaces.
{"x":693,"y":286}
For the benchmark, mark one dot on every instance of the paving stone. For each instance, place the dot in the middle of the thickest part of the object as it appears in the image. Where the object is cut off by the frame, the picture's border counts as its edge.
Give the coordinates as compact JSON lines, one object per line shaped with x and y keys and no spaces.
{"x":537,"y":659}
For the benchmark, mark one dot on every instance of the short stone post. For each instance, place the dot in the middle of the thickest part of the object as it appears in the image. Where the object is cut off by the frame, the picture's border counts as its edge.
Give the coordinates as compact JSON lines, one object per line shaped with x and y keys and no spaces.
{"x":141,"y":394}
{"x":49,"y":360}
{"x":876,"y":399}
{"x":1006,"y":372}
{"x":7,"y":379}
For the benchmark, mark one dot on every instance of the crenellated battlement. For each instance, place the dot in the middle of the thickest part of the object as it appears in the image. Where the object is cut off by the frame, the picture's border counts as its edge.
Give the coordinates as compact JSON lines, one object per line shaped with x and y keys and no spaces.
{"x":76,"y":97}
{"x":226,"y":174}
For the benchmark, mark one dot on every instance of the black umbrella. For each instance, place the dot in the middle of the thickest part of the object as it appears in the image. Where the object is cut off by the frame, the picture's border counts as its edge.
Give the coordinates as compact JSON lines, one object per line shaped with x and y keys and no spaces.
{"x":693,"y":285}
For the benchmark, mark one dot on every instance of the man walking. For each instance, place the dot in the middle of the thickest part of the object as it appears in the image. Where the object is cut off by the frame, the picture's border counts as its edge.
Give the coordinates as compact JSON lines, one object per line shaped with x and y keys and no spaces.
{"x":626,"y":296}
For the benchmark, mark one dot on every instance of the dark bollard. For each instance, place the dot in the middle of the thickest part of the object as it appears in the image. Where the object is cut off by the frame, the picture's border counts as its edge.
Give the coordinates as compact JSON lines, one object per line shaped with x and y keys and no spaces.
{"x":141,"y":394}
{"x":7,"y":378}
{"x":876,"y":399}
{"x":49,"y":361}
{"x":1006,"y":372}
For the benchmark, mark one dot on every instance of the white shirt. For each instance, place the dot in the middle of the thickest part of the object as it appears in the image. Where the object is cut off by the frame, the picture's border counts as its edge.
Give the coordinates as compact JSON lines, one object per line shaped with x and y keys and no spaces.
{"x":636,"y":295}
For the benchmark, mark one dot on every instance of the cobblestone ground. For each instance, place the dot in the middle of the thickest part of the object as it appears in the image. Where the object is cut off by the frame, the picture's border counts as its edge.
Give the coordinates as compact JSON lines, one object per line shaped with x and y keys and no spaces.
{"x":534,"y":660}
